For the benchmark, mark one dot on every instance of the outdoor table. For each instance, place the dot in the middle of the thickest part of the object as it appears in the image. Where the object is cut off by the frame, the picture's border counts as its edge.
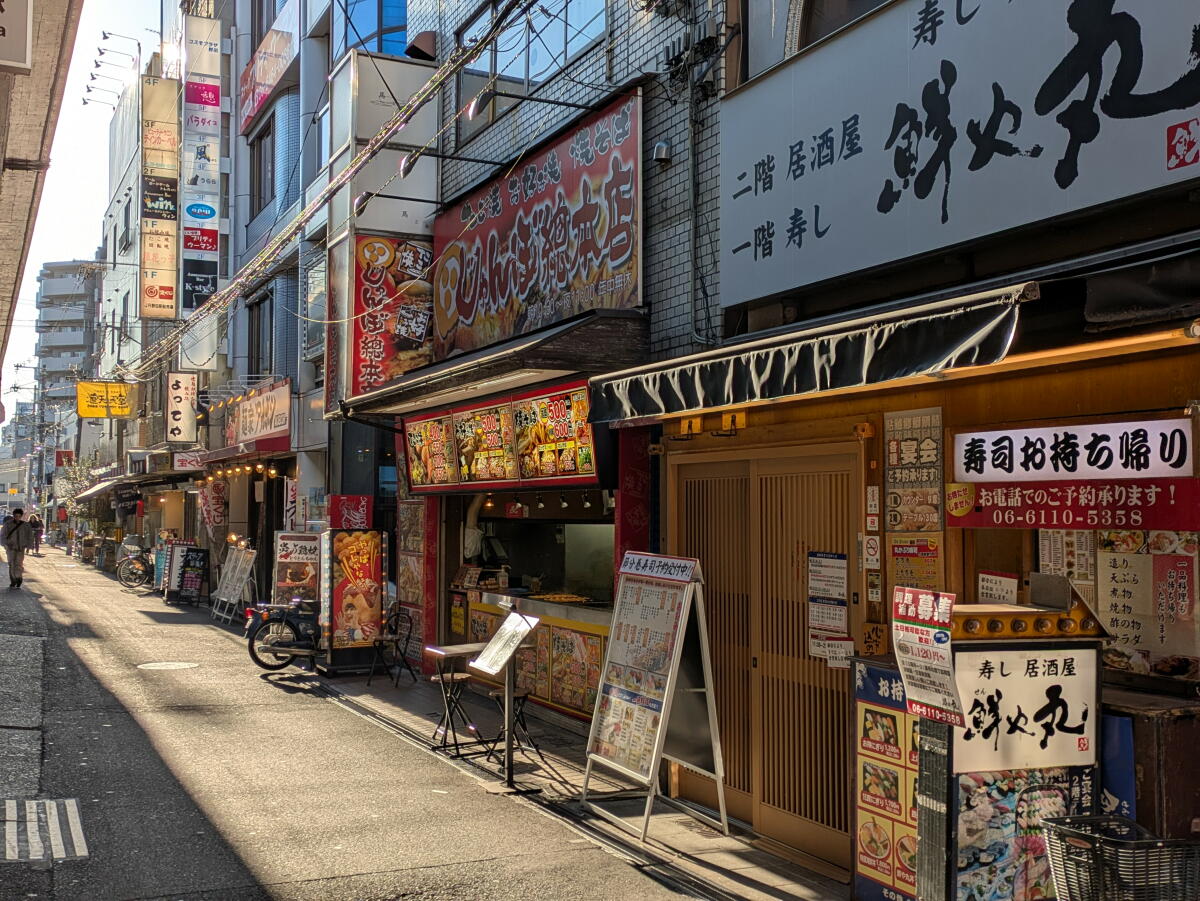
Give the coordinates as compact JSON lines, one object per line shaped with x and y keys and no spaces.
{"x":452,"y":684}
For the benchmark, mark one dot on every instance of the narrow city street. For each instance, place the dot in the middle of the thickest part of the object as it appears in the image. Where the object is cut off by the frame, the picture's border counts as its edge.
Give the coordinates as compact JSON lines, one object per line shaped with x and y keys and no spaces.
{"x":199,"y":776}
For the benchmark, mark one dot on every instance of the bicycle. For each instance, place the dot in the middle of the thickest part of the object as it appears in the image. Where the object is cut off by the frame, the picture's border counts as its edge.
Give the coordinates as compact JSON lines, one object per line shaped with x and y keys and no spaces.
{"x":136,"y":568}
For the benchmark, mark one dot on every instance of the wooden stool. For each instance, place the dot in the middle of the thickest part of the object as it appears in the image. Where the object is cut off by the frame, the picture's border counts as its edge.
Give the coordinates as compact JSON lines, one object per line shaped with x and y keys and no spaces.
{"x":452,"y":685}
{"x":521,"y":737}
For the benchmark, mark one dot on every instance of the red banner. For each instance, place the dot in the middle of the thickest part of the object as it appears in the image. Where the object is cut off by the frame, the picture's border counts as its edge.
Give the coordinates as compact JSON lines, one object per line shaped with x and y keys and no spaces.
{"x":1115,"y":504}
{"x":392,"y":306}
{"x":558,"y":236}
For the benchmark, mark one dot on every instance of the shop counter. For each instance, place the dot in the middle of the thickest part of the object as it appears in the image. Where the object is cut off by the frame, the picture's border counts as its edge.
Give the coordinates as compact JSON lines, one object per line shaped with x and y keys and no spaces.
{"x":562,"y":668}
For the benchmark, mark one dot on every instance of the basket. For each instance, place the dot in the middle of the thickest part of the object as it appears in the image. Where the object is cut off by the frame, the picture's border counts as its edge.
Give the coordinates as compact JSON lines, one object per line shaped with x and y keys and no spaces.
{"x":1108,"y":858}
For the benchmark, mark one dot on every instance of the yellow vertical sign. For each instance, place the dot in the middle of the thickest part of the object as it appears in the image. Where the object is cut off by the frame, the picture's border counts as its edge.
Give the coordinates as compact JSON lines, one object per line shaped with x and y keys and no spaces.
{"x":103,"y":400}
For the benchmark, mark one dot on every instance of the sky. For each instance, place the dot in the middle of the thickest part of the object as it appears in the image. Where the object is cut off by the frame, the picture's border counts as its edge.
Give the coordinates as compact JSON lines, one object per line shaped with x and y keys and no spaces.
{"x":76,"y":188}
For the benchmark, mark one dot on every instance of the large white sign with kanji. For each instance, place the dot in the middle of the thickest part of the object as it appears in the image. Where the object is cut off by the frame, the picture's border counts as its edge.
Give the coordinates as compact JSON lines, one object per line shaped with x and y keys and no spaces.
{"x":936,"y":122}
{"x":1156,"y":448}
{"x":1024,"y":709}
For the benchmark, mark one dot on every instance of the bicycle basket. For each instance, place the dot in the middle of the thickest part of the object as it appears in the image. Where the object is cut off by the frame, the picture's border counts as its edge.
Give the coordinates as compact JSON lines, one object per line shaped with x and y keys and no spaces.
{"x":1109,"y":858}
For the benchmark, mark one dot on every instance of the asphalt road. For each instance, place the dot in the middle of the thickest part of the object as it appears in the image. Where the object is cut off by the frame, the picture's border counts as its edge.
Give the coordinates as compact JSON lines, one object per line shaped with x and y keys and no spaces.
{"x":220,"y":781}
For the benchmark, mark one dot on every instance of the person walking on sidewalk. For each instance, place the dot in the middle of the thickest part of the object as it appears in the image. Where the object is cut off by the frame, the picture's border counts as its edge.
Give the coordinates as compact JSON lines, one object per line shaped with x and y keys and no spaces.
{"x":39,"y":527}
{"x":17,"y":537}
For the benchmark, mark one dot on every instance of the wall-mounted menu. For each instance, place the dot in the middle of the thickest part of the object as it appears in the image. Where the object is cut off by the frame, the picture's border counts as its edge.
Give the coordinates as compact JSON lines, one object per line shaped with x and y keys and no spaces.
{"x":432,"y":453}
{"x":554,"y":438}
{"x":484,"y":442}
{"x":541,"y":438}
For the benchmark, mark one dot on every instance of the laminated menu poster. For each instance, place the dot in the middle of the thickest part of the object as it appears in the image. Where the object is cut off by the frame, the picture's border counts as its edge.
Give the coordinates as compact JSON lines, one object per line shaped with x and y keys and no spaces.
{"x":297,"y":564}
{"x":1146,"y":586}
{"x":643,"y":643}
{"x":503,"y":645}
{"x":885,"y":840}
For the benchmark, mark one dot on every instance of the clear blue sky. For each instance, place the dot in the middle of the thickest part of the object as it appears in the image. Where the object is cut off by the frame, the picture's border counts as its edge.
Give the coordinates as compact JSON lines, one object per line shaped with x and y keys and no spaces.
{"x":76,"y":188}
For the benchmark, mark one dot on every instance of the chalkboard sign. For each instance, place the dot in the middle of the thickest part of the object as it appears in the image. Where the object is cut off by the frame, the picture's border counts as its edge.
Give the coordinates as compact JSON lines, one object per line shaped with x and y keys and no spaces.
{"x":174,"y":578}
{"x":655,"y":698}
{"x":193,"y":576}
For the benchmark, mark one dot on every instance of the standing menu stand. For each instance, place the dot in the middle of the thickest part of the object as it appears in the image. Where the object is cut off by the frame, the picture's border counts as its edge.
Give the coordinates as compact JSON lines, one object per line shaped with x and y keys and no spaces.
{"x":656,"y":690}
{"x":238,"y":568}
{"x":174,"y":578}
{"x":193,"y":576}
{"x":501,"y":653}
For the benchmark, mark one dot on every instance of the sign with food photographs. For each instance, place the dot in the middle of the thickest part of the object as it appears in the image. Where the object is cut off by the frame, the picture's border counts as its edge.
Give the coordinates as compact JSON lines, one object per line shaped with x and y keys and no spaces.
{"x":430,"y":449}
{"x":1146,"y":599}
{"x":483,"y":438}
{"x":913,"y":476}
{"x":554,"y":438}
{"x":353,"y":586}
{"x":540,"y":438}
{"x":297,"y":566}
{"x":885,"y":841}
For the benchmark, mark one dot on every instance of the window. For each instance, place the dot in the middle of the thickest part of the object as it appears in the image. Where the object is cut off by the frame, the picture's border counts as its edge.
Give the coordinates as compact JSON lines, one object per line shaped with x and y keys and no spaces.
{"x":262,"y":170}
{"x":262,"y":17}
{"x":323,"y":137}
{"x":259,"y":356}
{"x":379,"y":26}
{"x":526,"y":54}
{"x":778,"y":29}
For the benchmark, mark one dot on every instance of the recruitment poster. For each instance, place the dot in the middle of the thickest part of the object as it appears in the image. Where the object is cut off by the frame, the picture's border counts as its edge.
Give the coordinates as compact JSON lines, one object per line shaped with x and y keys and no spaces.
{"x":921,"y":636}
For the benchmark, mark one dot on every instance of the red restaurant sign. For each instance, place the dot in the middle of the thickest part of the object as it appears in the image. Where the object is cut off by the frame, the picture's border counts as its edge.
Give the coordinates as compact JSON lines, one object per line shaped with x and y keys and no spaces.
{"x":1117,"y":504}
{"x":392,"y":308}
{"x":559,"y":236}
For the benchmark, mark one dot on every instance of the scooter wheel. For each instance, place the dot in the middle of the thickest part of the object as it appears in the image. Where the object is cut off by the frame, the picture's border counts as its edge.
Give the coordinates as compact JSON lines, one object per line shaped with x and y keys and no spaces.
{"x":263,"y":635}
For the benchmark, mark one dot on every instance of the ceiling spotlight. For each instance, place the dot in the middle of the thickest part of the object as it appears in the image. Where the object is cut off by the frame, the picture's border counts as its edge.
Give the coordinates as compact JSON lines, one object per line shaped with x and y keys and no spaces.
{"x":272,"y":472}
{"x":488,"y":502}
{"x":562,"y":501}
{"x":541,"y":504}
{"x":258,"y":467}
{"x":586,"y":501}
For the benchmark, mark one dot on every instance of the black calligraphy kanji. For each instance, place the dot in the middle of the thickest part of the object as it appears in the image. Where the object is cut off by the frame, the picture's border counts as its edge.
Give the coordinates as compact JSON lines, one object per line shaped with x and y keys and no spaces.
{"x":797,"y":228}
{"x":985,"y":136}
{"x":985,"y":719}
{"x":1054,"y":713}
{"x":764,"y":240}
{"x":1099,"y":454}
{"x":1017,"y":723}
{"x":764,"y":174}
{"x":851,"y":141}
{"x":817,"y":230}
{"x":822,"y":150}
{"x":906,"y":134}
{"x":929,"y":19}
{"x":1002,"y":453}
{"x":963,"y":18}
{"x":796,"y":161}
{"x":974,"y":455}
{"x":1135,"y":450}
{"x":1033,"y":454}
{"x":1064,"y":452}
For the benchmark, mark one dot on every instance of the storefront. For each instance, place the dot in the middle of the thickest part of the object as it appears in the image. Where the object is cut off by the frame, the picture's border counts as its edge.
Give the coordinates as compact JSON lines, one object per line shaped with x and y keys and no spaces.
{"x":810,"y":492}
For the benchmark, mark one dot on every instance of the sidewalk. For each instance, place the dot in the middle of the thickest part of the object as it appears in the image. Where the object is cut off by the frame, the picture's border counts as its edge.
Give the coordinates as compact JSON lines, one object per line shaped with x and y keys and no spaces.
{"x":731,"y":864}
{"x":22,"y":636}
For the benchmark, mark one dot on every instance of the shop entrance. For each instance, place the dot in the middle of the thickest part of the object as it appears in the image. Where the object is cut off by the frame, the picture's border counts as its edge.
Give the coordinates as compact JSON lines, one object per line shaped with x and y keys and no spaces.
{"x":784,"y":715}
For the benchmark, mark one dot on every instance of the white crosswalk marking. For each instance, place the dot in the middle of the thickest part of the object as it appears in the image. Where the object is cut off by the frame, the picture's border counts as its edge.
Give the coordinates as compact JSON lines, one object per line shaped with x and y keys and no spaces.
{"x":34,"y":834}
{"x":42,"y":829}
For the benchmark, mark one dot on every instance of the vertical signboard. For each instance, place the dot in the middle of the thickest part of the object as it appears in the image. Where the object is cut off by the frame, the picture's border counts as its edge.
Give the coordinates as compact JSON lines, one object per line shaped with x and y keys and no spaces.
{"x":886,"y":758}
{"x":393,"y":305}
{"x":181,"y":406}
{"x":158,"y":282}
{"x":200,"y":167}
{"x":297,"y":567}
{"x":353,"y":583}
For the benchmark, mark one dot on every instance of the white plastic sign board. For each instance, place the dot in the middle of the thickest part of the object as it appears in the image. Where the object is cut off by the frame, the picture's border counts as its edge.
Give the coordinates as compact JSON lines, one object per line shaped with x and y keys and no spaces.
{"x":515,"y":628}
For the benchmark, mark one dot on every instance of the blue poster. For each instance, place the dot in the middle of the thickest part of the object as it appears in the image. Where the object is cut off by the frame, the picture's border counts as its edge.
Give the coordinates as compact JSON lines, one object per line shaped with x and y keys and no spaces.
{"x":1118,"y":789}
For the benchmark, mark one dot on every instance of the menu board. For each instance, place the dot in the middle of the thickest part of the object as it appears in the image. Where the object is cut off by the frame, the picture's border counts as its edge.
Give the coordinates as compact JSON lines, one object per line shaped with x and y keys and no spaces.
{"x":297,"y":564}
{"x":175,"y":567}
{"x":1147,"y":587}
{"x":193,"y":573}
{"x":554,"y":439}
{"x":646,"y":629}
{"x":504,"y":643}
{"x":431,"y":451}
{"x":885,"y":768}
{"x":353,"y":585}
{"x":535,"y":438}
{"x":484,"y":444}
{"x":574,"y":667}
